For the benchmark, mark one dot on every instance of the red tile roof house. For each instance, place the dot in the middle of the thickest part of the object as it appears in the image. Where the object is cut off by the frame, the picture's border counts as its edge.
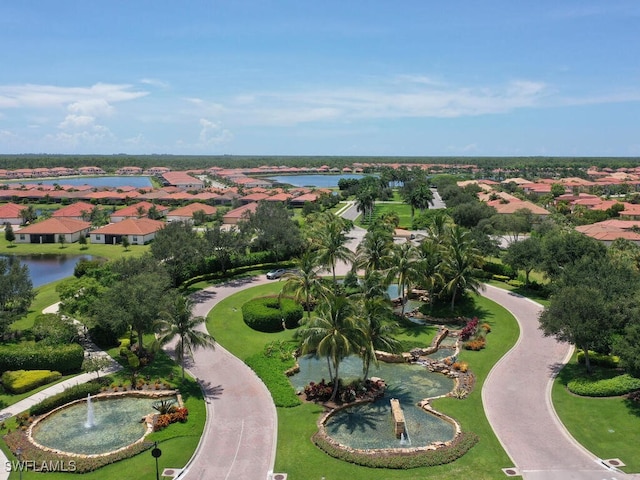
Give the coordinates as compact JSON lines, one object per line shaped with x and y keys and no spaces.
{"x":75,"y":210}
{"x":137,"y":210}
{"x":139,"y":231}
{"x":49,"y":231}
{"x":185,"y":214}
{"x":611,"y":230}
{"x":10,"y":213}
{"x":234,"y":216}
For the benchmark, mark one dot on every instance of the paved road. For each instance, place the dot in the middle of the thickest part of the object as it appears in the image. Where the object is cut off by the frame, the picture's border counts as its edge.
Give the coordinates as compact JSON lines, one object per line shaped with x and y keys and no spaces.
{"x":240,"y":436}
{"x":517,"y":401}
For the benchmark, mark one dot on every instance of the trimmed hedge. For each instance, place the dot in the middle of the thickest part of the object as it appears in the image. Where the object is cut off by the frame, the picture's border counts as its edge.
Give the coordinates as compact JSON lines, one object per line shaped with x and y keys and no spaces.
{"x":266,"y":314}
{"x":496,"y":268}
{"x":600,"y":359}
{"x":401,"y":460}
{"x":70,"y":394}
{"x":62,"y":358}
{"x":609,"y":387}
{"x":20,"y":381}
{"x":271,"y":372}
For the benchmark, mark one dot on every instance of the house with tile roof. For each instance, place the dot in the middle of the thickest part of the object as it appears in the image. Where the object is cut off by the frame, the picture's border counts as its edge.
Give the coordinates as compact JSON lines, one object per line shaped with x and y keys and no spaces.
{"x":10,"y":213}
{"x":139,"y":231}
{"x":185,"y":214}
{"x":610,"y":230}
{"x":137,"y":210}
{"x":234,"y":216}
{"x":50,"y":230}
{"x":77,"y":210}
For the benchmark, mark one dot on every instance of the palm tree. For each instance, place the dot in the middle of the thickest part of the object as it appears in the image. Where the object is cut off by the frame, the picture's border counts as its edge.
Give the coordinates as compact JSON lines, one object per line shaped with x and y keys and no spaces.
{"x":334,"y":333}
{"x":376,"y":312}
{"x":178,"y":321}
{"x":374,"y":252}
{"x":460,"y":262}
{"x":304,"y":282}
{"x":404,"y":268}
{"x":431,"y":254}
{"x":331,"y":239}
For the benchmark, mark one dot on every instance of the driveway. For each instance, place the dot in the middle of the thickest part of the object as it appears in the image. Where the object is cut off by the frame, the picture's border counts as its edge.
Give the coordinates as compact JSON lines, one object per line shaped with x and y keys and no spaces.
{"x":239,"y":441}
{"x":517,"y":402}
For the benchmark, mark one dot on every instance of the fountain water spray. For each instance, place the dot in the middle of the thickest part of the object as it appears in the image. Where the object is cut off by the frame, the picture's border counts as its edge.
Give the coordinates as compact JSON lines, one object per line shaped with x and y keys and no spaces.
{"x":91,"y":421}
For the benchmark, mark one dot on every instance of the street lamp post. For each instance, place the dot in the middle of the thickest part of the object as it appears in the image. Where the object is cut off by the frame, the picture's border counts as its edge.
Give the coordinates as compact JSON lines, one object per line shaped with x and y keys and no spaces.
{"x":19,"y":455}
{"x":156,"y":452}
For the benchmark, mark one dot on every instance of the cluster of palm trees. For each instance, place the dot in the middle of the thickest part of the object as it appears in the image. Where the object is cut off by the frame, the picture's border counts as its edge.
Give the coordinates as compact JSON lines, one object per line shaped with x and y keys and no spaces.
{"x":445,"y":263}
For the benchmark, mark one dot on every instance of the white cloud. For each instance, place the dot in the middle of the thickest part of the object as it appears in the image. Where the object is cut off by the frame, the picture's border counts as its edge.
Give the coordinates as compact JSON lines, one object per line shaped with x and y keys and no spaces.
{"x":51,"y":96}
{"x":154,"y":82}
{"x":76,"y":121}
{"x":211,"y":133}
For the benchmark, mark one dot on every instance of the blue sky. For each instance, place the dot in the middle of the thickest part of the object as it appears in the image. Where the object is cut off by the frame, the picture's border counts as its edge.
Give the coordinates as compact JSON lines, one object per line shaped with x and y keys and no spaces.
{"x":289,"y":77}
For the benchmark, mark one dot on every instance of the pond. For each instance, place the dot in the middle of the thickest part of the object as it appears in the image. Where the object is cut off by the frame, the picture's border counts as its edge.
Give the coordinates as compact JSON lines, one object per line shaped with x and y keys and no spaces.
{"x":116,"y":424}
{"x":47,"y":268}
{"x":369,"y":426}
{"x":114,"y":181}
{"x":317,"y":180}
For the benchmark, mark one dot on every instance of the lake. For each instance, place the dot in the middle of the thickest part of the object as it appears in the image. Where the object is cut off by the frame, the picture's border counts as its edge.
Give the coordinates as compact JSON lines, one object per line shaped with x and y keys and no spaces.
{"x":49,"y":268}
{"x":114,"y":181}
{"x":313,"y":180}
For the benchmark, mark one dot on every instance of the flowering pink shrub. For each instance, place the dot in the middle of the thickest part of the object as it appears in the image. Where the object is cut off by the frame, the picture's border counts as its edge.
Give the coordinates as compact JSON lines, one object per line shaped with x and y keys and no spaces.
{"x":469,"y":329}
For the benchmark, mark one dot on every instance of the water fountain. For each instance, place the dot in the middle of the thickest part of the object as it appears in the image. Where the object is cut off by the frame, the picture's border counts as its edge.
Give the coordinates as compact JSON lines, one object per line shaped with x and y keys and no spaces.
{"x":95,"y":425}
{"x":91,"y":421}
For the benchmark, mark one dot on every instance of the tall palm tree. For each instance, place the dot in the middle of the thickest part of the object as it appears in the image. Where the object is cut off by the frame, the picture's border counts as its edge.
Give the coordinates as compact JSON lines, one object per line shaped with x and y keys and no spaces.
{"x":377,"y":331}
{"x":374,"y":252}
{"x":404,"y":268}
{"x":334,"y":333}
{"x":178,"y":321}
{"x":304,"y":283}
{"x":331,"y":239}
{"x":460,"y":263}
{"x":431,"y":255}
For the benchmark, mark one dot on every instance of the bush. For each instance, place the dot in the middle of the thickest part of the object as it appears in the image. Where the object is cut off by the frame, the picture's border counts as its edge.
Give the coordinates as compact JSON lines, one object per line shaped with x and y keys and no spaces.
{"x":599,"y":359}
{"x":496,"y":268}
{"x":270,"y":369}
{"x":104,"y":337}
{"x":400,"y":460}
{"x":469,"y":329}
{"x":266,"y":314}
{"x":609,"y":387}
{"x":20,"y":381}
{"x":70,"y":394}
{"x":476,"y":344}
{"x":61,"y":358}
{"x":515,"y":283}
{"x":51,"y":329}
{"x":500,"y":278}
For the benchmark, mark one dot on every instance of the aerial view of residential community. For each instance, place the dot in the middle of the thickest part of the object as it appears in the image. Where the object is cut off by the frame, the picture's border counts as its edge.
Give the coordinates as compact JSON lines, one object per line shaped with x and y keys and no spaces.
{"x":251,"y":241}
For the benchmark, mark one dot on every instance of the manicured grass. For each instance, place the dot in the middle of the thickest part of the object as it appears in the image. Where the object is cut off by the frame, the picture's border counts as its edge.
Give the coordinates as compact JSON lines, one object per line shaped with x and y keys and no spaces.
{"x":7,"y":399}
{"x":401,"y":209}
{"x":297,"y":424}
{"x":607,"y":427}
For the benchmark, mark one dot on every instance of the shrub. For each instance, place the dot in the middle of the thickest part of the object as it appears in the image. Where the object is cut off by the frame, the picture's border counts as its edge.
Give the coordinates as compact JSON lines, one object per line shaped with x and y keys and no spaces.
{"x":496,"y":268}
{"x":270,"y":369}
{"x":266,"y":314}
{"x":486,"y":327}
{"x":61,"y":358}
{"x":475,"y":344}
{"x":609,"y":387}
{"x":428,"y":458}
{"x":72,"y":393}
{"x":515,"y":283}
{"x":51,"y":329}
{"x":500,"y":278}
{"x":20,"y":381}
{"x":600,"y":359}
{"x":469,"y":329}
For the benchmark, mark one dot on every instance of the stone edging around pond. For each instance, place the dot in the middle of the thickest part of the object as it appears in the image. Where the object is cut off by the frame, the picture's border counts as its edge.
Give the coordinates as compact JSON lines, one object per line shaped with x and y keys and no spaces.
{"x":148,"y":419}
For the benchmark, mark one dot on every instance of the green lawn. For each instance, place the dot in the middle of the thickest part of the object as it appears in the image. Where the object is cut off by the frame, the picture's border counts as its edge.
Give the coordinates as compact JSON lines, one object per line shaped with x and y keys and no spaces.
{"x":97,"y":250}
{"x":297,"y":424}
{"x":607,"y":427}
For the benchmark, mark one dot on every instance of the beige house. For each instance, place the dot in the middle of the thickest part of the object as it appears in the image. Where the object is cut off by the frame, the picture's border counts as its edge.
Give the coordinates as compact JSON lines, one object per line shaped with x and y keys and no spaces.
{"x":139,"y":231}
{"x":50,"y":230}
{"x":185,"y":214}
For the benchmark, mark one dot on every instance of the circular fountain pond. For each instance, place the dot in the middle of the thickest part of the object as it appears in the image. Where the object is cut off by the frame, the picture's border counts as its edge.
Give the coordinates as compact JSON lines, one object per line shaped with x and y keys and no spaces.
{"x":103,"y":425}
{"x":370,"y":425}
